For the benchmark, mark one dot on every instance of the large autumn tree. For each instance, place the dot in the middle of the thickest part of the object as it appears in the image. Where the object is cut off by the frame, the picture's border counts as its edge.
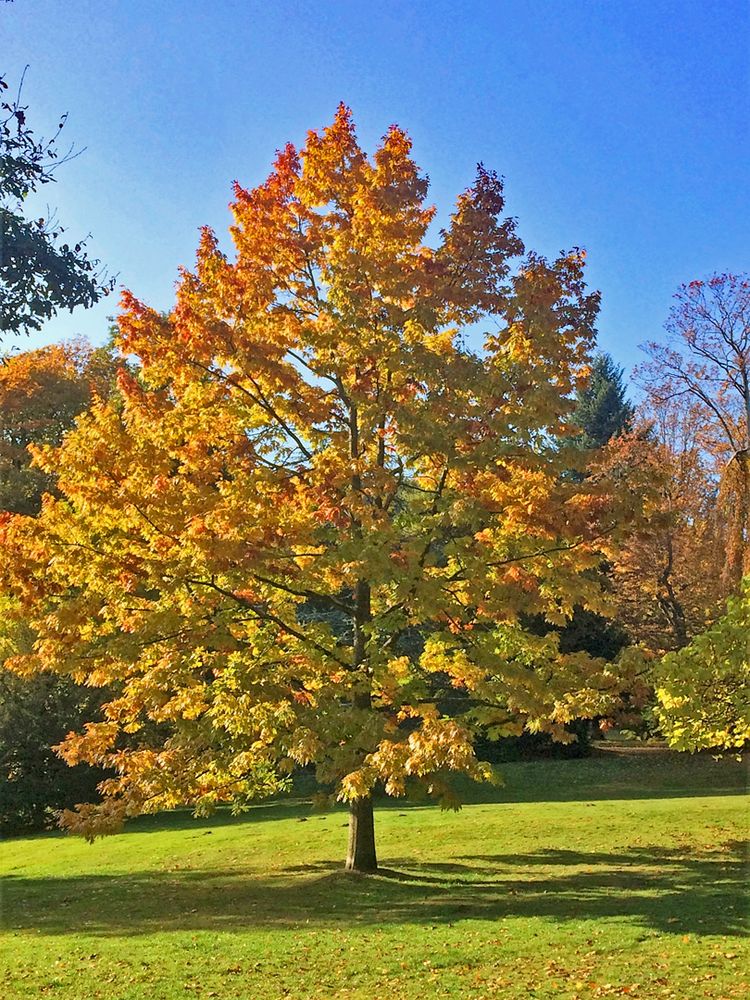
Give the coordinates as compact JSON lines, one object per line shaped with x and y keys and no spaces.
{"x":703,"y":374}
{"x":310,"y":528}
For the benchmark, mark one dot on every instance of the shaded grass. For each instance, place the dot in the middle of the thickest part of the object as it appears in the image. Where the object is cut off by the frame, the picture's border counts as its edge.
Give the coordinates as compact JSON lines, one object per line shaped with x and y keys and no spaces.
{"x":585,"y":878}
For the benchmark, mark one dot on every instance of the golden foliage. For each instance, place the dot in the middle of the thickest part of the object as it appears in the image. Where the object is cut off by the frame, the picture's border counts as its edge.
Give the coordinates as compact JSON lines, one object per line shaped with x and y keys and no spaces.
{"x":313,"y":502}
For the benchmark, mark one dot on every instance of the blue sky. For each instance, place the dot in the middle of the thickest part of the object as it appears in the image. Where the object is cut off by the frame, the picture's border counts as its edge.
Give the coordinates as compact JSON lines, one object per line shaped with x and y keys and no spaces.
{"x":621,"y":126}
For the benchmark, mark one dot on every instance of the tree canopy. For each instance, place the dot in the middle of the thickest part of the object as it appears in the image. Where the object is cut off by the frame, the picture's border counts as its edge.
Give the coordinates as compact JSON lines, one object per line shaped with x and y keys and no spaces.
{"x":310,"y":527}
{"x":707,"y":360}
{"x":669,"y":576}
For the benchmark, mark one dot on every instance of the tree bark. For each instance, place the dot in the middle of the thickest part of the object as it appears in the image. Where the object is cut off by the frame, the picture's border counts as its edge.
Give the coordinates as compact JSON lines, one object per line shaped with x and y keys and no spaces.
{"x":670,"y":605}
{"x":361,"y":856}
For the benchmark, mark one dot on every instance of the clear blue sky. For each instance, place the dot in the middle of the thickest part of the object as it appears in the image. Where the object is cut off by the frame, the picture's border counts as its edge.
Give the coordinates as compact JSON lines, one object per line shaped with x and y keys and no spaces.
{"x":620,"y":126}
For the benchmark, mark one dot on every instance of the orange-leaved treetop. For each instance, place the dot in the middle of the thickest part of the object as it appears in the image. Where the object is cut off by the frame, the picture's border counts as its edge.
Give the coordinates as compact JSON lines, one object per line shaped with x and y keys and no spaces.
{"x":311,"y":525}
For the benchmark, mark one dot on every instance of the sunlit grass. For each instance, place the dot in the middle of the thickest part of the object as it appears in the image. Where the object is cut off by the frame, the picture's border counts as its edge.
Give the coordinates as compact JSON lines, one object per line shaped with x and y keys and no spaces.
{"x":604,"y":877}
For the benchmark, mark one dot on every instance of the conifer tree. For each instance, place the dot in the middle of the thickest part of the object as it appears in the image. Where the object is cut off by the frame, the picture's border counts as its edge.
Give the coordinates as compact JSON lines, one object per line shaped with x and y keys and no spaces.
{"x":602,"y":409}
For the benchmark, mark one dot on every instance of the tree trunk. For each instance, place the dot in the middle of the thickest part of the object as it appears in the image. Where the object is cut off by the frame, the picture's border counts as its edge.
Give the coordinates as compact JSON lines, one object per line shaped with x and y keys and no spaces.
{"x":360,"y":856}
{"x":670,"y":605}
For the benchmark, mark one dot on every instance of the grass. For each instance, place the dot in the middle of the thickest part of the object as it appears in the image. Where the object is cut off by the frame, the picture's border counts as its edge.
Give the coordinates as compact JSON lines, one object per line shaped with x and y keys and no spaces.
{"x":613,"y":876}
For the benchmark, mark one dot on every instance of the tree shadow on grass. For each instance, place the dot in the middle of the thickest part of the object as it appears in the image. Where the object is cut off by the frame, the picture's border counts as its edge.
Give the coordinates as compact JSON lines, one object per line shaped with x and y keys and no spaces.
{"x":658,"y":889}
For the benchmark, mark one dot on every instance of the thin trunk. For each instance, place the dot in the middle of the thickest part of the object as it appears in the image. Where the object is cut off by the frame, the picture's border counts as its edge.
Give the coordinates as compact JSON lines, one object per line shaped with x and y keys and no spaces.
{"x":361,"y":856}
{"x":735,"y":497}
{"x":743,"y":458}
{"x":745,"y":510}
{"x":669,"y":603}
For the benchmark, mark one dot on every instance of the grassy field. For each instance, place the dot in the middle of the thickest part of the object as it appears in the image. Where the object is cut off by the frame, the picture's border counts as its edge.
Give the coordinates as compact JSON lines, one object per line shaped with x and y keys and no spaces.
{"x":613,"y":876}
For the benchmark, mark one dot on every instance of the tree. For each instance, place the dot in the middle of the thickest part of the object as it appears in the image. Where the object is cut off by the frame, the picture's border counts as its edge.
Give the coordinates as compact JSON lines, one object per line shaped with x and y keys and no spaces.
{"x":668,"y":576}
{"x":703,"y":376}
{"x":602,"y":413}
{"x":35,"y":712}
{"x":602,"y":408}
{"x":703,"y":690}
{"x":707,"y":359}
{"x":314,"y":503}
{"x":41,"y":394}
{"x":38,"y":274}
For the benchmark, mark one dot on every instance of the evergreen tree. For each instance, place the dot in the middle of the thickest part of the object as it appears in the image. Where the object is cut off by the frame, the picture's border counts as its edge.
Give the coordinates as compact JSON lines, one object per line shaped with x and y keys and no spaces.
{"x":602,"y":407}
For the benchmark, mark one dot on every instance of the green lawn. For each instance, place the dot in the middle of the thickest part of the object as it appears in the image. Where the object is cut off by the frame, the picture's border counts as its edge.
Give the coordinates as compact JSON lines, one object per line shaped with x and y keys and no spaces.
{"x":613,"y":876}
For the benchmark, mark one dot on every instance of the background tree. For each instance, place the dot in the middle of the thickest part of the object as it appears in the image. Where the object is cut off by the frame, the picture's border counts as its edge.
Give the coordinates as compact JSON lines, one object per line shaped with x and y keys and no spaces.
{"x":699,"y":390}
{"x":602,"y":414}
{"x":39,"y":275}
{"x":35,"y":712}
{"x":669,"y":576}
{"x":602,"y":409}
{"x":703,"y":690}
{"x":41,"y":394}
{"x":309,"y":436}
{"x":707,"y":360}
